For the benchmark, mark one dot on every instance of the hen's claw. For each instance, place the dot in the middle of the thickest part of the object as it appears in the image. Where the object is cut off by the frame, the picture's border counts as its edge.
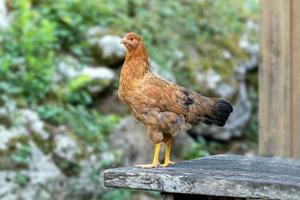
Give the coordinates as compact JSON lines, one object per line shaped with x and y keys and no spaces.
{"x":167,"y":163}
{"x":155,"y":163}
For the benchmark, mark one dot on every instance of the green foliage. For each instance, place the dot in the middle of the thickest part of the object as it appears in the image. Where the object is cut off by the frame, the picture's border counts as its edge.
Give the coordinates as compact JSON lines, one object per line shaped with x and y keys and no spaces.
{"x":21,"y":179}
{"x":119,"y":194}
{"x":26,"y":53}
{"x":22,"y":156}
{"x":90,"y":125}
{"x":79,"y":82}
{"x":202,"y":148}
{"x":76,"y":90}
{"x":73,"y":18}
{"x":43,"y":29}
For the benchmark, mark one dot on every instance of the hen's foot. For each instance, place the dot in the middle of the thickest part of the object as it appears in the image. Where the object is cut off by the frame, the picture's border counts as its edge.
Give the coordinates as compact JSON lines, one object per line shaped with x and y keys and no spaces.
{"x":167,"y":163}
{"x":152,"y":165}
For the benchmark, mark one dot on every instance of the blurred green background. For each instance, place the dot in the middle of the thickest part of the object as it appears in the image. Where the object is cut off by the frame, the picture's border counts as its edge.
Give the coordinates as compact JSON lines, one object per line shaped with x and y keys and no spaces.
{"x":61,"y":123}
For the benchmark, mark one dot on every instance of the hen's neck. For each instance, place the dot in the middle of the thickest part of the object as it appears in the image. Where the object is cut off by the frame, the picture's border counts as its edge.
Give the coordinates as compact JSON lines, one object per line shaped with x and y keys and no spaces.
{"x":136,"y":64}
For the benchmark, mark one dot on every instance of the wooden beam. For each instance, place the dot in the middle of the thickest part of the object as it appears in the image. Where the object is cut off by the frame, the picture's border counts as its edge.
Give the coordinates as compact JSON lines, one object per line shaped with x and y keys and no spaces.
{"x":215,"y":177}
{"x":279,"y":103}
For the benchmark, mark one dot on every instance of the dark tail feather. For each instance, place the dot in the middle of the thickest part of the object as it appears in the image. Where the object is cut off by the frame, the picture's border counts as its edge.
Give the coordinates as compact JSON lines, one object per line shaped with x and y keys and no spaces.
{"x":220,"y":113}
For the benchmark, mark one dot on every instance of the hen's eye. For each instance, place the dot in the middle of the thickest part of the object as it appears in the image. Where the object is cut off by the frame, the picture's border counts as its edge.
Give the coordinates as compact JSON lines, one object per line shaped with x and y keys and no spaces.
{"x":131,"y":39}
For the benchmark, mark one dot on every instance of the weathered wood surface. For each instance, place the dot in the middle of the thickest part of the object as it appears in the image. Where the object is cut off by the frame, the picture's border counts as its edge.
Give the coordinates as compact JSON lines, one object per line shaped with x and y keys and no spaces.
{"x":295,"y":71}
{"x":279,"y":76}
{"x":223,"y":175}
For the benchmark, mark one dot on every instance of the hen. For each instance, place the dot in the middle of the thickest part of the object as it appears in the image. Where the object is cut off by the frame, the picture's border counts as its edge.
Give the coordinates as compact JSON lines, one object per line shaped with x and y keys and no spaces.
{"x":163,"y":107}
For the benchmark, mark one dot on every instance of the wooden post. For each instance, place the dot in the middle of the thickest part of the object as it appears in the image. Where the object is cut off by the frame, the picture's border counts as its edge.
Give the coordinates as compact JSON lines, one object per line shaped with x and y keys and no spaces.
{"x":279,"y":76}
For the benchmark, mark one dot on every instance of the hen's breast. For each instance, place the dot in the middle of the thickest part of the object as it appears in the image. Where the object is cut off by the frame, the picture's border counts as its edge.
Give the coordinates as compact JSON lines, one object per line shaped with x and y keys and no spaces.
{"x":152,"y":116}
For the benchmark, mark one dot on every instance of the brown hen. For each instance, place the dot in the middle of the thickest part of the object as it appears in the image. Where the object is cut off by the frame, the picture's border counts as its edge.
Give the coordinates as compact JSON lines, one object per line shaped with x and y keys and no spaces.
{"x":163,"y":107}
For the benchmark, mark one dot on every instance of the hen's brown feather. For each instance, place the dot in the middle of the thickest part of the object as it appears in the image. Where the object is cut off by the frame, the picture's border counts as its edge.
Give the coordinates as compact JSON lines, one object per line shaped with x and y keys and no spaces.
{"x":162,"y":106}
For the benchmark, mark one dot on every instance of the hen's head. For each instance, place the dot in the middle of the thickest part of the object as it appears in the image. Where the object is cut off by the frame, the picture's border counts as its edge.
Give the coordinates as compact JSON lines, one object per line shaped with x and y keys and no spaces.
{"x":132,"y":41}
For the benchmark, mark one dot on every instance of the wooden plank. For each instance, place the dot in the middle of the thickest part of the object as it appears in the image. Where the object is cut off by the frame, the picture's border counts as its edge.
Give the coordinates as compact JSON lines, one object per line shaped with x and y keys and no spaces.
{"x":279,"y":90}
{"x":295,"y":71}
{"x":228,"y":176}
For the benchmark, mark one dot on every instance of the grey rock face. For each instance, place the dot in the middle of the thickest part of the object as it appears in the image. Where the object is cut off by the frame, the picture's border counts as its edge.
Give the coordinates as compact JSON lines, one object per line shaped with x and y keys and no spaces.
{"x":106,"y":47}
{"x":24,"y":122}
{"x":161,"y":72}
{"x":242,"y":107}
{"x":4,"y":18}
{"x":96,"y":78}
{"x":41,"y":177}
{"x":101,"y":78}
{"x":112,"y":51}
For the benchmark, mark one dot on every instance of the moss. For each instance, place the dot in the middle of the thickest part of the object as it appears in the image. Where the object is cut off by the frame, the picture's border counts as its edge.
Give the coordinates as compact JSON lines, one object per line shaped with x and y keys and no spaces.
{"x":47,"y":146}
{"x":5,"y":121}
{"x":68,"y":167}
{"x":6,"y":156}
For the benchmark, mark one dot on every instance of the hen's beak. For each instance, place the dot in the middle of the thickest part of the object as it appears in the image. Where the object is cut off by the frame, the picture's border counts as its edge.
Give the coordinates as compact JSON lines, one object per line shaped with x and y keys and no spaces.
{"x":123,"y":41}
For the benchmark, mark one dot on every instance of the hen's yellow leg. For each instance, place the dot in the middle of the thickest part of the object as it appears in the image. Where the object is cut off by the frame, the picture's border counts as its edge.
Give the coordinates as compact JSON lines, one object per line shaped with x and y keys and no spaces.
{"x":168,"y":153}
{"x":155,"y":162}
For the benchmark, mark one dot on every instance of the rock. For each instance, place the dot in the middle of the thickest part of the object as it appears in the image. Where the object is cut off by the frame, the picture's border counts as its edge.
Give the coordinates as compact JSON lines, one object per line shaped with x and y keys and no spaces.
{"x":7,"y":185}
{"x":245,"y":42}
{"x":65,"y":147}
{"x":112,"y":51}
{"x":131,"y":139}
{"x":41,"y":170}
{"x":77,"y":75}
{"x":41,"y":167}
{"x":98,"y":73}
{"x":224,"y":90}
{"x":107,"y":48}
{"x":96,"y":32}
{"x":4,"y":18}
{"x":24,"y":122}
{"x":31,"y":120}
{"x":109,"y":103}
{"x":209,"y":79}
{"x":44,"y":180}
{"x":8,"y":134}
{"x":167,"y":74}
{"x":67,"y":68}
{"x":242,"y":108}
{"x":101,"y":78}
{"x":42,"y":177}
{"x":227,"y":54}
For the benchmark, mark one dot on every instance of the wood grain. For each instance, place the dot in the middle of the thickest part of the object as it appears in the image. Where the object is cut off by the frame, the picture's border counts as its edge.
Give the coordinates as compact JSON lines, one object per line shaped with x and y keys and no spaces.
{"x":228,"y":176}
{"x":279,"y":90}
{"x":295,"y":77}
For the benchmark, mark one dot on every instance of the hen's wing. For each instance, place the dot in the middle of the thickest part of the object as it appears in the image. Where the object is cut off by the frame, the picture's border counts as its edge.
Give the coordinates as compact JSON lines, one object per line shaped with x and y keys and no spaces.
{"x":168,"y":97}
